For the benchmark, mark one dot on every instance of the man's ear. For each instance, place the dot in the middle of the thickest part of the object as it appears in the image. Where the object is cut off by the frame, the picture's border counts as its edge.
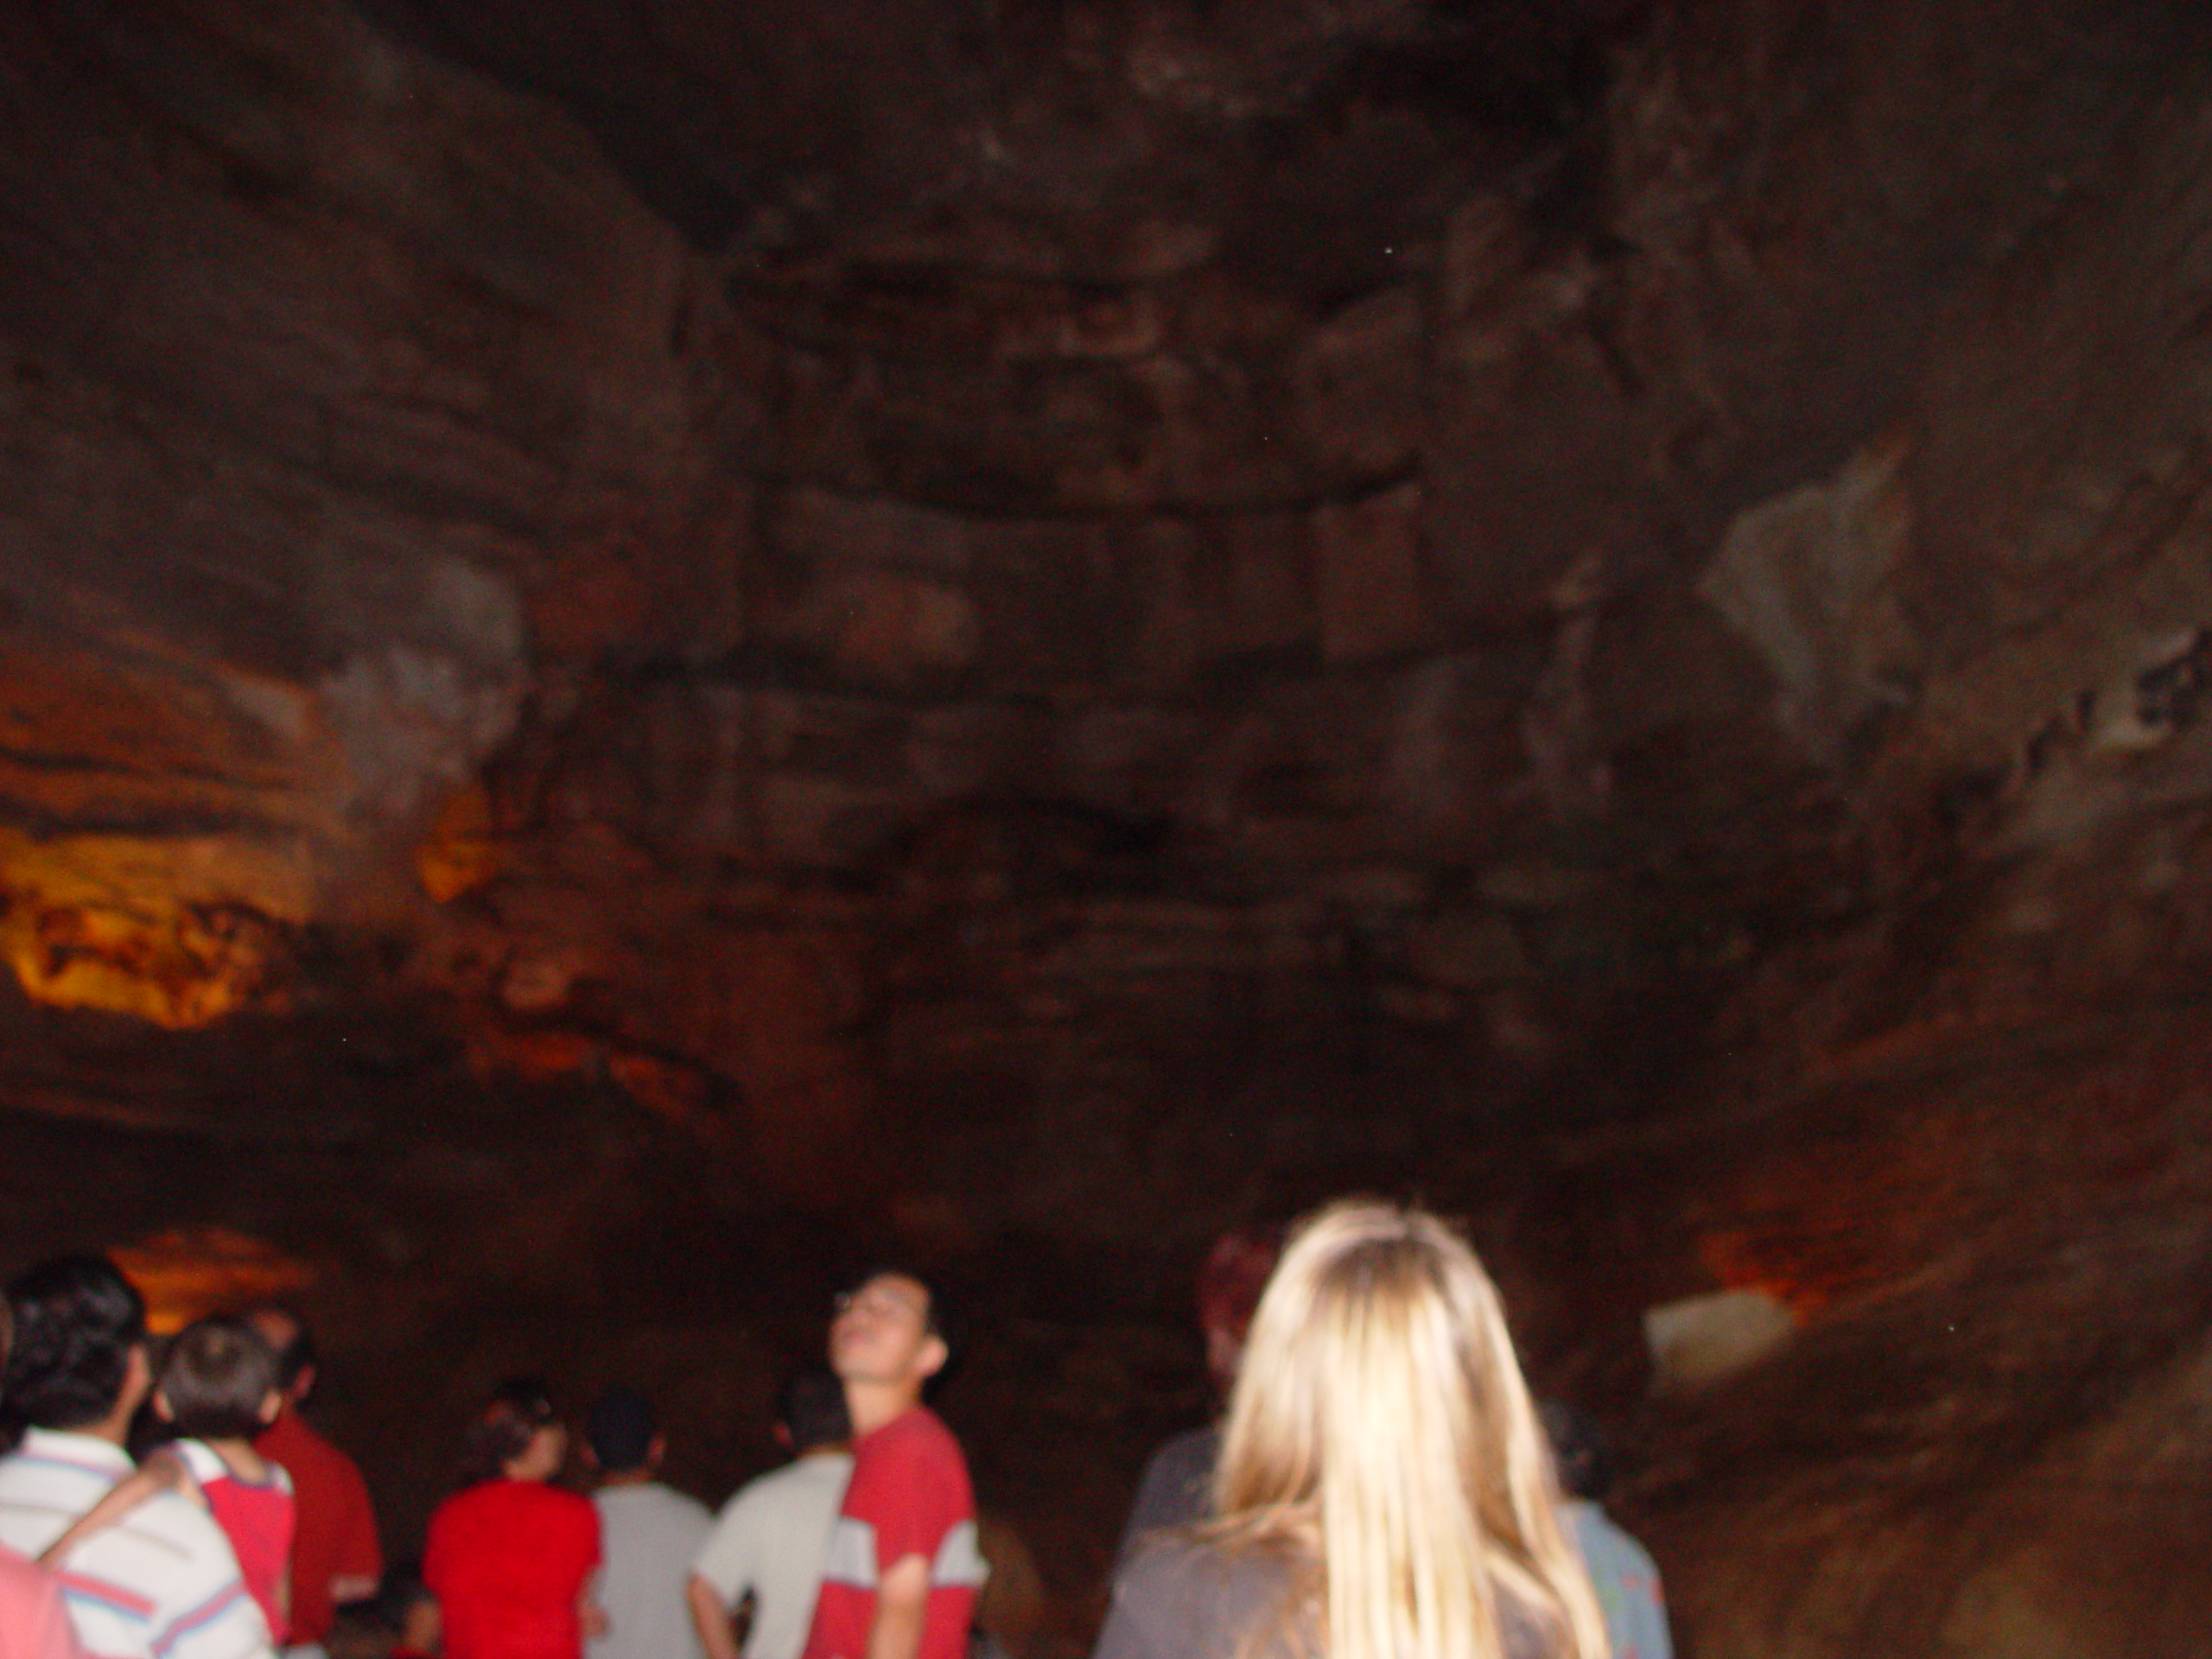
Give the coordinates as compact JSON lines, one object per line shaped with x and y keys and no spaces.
{"x":162,"y":1409}
{"x":931,"y":1358}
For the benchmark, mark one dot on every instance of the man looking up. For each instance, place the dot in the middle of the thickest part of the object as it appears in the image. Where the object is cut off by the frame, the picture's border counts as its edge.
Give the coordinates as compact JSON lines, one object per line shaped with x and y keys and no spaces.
{"x":335,"y":1555}
{"x":161,"y":1580}
{"x":903,"y":1567}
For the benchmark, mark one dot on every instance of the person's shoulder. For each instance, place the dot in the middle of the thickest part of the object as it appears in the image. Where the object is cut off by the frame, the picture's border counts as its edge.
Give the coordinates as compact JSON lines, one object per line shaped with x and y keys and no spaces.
{"x":808,"y":1469}
{"x":916,"y":1445}
{"x":201,"y":1461}
{"x":45,"y":1455}
{"x":550,"y":1511}
{"x":1184,"y":1459}
{"x":462,"y":1501}
{"x":292,"y":1432}
{"x":772,"y":1491}
{"x":1598,"y":1532}
{"x":1175,"y":1489}
{"x":818,"y":1470}
{"x":1176,"y":1580}
{"x":1156,"y":1562}
{"x":553,"y":1499}
{"x":1202,"y":1444}
{"x":176,"y":1527}
{"x":672,"y":1502}
{"x":654,"y":1499}
{"x":918,"y":1429}
{"x":1180,"y":1558}
{"x":480,"y":1502}
{"x":295,"y":1443}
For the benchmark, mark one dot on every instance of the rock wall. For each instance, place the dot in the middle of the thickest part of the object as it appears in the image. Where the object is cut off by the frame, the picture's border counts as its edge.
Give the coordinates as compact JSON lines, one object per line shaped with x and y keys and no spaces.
{"x":644,"y":663}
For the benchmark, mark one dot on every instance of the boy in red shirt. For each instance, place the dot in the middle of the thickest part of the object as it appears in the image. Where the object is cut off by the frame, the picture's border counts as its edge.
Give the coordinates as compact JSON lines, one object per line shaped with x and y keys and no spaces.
{"x":903,"y":1568}
{"x":218,"y":1390}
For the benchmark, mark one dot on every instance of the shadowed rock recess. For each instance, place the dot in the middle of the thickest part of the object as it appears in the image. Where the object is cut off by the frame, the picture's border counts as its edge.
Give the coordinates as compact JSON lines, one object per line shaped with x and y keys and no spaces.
{"x":648,"y":652}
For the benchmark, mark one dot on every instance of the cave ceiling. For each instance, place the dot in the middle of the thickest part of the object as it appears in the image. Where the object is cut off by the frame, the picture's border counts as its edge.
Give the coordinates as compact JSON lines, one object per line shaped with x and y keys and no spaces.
{"x":803,"y":562}
{"x":1089,"y":145}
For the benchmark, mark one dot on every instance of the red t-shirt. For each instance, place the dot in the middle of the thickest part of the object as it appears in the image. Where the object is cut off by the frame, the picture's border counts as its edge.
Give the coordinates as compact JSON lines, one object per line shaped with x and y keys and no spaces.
{"x":255,"y":1517}
{"x":507,"y":1561}
{"x":909,"y":1495}
{"x":333,"y":1529}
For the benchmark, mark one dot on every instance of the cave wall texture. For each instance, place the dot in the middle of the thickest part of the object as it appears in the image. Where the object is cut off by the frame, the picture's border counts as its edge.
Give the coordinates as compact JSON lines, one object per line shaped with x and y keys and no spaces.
{"x":652,"y":651}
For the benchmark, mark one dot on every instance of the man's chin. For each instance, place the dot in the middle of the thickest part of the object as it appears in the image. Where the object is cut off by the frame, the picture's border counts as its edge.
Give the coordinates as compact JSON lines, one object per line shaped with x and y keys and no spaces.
{"x":866,"y":1376}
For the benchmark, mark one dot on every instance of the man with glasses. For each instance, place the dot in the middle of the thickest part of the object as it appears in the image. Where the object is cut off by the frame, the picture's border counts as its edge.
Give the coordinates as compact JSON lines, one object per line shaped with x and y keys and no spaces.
{"x":903,"y":1568}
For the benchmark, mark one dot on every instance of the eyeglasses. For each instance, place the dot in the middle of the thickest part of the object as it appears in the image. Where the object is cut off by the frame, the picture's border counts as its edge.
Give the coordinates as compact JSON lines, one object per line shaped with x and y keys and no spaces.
{"x":876,"y":1298}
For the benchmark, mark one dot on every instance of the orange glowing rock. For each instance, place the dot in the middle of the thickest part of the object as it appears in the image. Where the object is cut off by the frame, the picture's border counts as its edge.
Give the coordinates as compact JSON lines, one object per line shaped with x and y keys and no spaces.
{"x":176,"y":931}
{"x":1742,"y":1260}
{"x":541,"y":1054}
{"x":188,"y":1273}
{"x":464,"y":849}
{"x":676,"y":1093}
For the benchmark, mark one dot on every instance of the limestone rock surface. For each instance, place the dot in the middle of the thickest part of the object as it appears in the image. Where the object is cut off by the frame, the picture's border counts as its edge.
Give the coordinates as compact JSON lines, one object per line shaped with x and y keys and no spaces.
{"x":650,"y":653}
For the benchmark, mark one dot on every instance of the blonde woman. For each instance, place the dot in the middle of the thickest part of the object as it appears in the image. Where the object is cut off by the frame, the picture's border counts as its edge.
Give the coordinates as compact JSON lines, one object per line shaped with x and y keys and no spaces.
{"x":1384,"y":1489}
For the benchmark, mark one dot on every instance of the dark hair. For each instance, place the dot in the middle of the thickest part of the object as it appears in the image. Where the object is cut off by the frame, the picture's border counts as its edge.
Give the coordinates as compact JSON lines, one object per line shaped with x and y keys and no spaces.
{"x":622,"y":1429}
{"x":297,"y":1353}
{"x":77,"y":1319}
{"x":219,"y":1374}
{"x":1578,"y":1449}
{"x":1230,"y":1279}
{"x":812,"y":1407}
{"x":505,"y":1429}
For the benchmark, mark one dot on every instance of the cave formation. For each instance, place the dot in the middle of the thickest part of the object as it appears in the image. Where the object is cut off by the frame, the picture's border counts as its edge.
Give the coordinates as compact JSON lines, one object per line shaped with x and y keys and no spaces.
{"x":652,"y":652}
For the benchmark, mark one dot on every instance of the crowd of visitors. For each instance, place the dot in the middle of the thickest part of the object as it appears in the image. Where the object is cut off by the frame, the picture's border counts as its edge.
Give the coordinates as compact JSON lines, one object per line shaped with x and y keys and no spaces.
{"x":1380,"y":1487}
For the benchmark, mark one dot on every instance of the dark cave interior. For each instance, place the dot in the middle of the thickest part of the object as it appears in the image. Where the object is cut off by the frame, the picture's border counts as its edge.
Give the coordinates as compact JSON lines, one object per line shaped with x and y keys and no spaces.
{"x":650,"y":653}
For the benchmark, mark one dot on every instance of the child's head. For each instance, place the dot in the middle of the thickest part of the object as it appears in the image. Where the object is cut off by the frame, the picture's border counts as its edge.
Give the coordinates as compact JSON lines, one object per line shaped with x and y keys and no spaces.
{"x":405,"y":1607}
{"x":219,"y":1381}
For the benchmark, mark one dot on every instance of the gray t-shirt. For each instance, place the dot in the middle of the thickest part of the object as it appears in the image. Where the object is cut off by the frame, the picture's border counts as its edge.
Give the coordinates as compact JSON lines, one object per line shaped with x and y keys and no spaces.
{"x":648,"y":1534}
{"x":1179,"y":1599}
{"x":1177,"y":1490}
{"x":771,"y":1538}
{"x":1182,"y":1599}
{"x":1627,"y":1583}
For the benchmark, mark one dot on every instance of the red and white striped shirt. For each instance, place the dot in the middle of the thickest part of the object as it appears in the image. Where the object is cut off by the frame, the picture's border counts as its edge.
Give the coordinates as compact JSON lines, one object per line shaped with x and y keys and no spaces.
{"x":160,"y":1584}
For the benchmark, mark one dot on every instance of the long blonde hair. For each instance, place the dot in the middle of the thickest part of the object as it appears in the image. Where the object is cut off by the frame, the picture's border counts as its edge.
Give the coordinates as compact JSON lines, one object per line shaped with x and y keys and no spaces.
{"x":1380,"y":1434}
